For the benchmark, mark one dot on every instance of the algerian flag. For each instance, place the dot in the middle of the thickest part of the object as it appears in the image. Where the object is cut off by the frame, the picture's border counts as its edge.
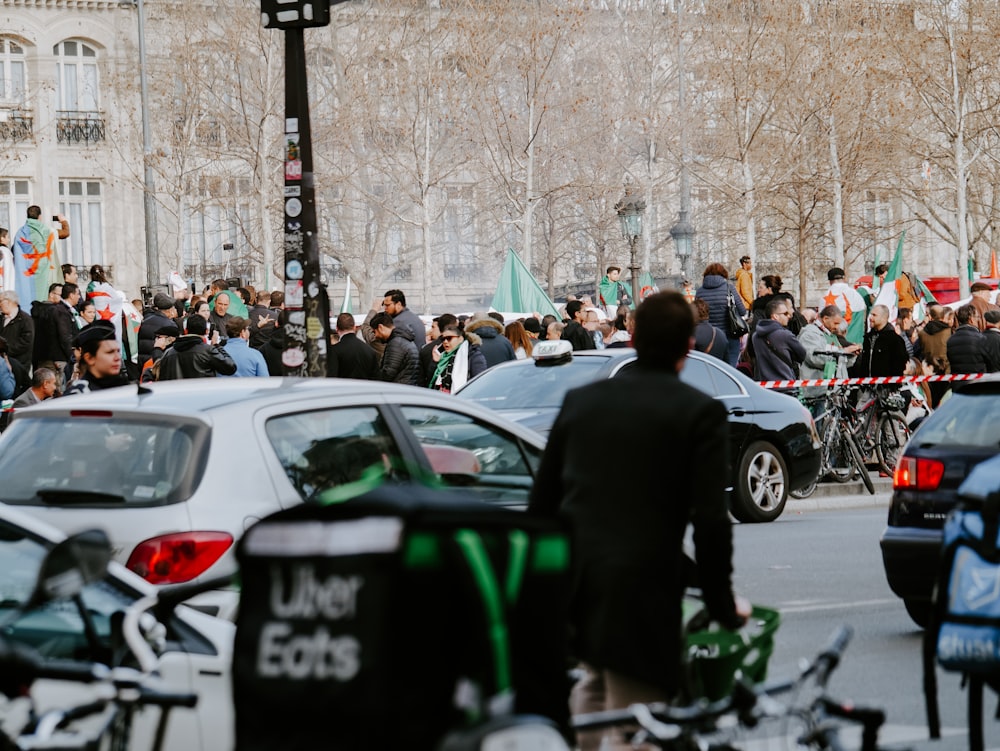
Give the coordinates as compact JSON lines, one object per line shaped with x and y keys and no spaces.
{"x":889,"y":294}
{"x":346,"y":305}
{"x":518,"y":291}
{"x":924,"y":298}
{"x":853,"y":307}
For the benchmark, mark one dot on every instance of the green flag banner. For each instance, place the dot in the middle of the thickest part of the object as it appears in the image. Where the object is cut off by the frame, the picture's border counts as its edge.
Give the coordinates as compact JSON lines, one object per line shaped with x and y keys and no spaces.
{"x":518,"y":291}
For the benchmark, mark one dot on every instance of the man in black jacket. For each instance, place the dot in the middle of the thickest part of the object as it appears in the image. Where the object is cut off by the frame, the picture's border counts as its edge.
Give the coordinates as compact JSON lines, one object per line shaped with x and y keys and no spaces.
{"x":155,"y":318}
{"x":191,"y":357}
{"x":966,"y":345}
{"x":17,"y":328}
{"x":351,"y":357}
{"x":400,"y":360}
{"x":991,"y":340}
{"x":884,"y":351}
{"x":574,"y":332}
{"x":629,"y":527}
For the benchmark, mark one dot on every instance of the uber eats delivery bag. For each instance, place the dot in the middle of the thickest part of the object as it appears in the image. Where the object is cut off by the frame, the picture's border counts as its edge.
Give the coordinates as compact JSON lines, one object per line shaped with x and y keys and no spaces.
{"x":360,"y":623}
{"x":963,"y":633}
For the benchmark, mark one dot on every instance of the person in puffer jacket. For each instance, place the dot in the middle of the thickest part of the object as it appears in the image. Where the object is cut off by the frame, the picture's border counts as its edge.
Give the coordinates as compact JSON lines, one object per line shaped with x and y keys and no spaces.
{"x":496,"y":348}
{"x":192,"y":357}
{"x":401,"y":359}
{"x":715,"y":289}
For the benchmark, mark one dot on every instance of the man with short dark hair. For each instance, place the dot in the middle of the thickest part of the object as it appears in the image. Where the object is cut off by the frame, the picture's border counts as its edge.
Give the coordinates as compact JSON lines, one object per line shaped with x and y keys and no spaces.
{"x":70,"y":273}
{"x":613,"y":292}
{"x":967,"y":345}
{"x":777,"y":352}
{"x":574,"y":332}
{"x":400,"y":360}
{"x":744,"y":282}
{"x":350,"y":357}
{"x":629,"y":527}
{"x":249,"y":362}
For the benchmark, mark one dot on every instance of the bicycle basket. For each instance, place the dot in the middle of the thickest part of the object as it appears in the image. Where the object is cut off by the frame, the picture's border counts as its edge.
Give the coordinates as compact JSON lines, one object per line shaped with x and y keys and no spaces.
{"x":713,"y":657}
{"x":892,"y":400}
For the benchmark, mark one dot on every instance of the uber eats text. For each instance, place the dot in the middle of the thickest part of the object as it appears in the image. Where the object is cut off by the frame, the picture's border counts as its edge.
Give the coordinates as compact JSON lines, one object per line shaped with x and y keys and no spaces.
{"x":283,"y":654}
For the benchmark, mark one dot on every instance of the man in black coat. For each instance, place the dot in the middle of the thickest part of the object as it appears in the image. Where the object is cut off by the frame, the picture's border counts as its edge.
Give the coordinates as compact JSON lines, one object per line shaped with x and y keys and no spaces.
{"x":163,"y":312}
{"x":991,"y":340}
{"x":967,"y":345}
{"x":351,"y":357}
{"x":574,"y":332}
{"x":17,"y":328}
{"x":629,"y":526}
{"x":191,"y":357}
{"x":400,"y":361}
{"x":884,"y":351}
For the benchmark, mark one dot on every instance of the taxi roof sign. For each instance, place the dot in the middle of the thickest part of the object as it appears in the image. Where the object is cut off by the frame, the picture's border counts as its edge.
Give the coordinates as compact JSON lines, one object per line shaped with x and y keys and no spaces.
{"x":552,"y":352}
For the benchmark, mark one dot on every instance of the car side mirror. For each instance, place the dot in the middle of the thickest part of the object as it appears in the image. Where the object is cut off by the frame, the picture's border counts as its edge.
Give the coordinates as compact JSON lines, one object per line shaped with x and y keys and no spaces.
{"x":70,"y":566}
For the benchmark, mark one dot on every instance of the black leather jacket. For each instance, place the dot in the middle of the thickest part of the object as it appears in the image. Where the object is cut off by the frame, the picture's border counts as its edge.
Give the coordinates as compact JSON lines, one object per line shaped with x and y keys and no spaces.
{"x":190,"y":357}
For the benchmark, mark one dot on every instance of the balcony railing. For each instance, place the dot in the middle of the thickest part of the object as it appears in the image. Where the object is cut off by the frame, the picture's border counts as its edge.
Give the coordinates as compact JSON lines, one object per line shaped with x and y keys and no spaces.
{"x":15,"y":126}
{"x":79,"y":127}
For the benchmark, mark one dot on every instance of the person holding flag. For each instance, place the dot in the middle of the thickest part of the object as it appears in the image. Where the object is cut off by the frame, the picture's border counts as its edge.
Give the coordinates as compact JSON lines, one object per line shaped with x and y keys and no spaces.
{"x":846,"y":298}
{"x":36,"y":262}
{"x":896,"y":290}
{"x":612,"y":292}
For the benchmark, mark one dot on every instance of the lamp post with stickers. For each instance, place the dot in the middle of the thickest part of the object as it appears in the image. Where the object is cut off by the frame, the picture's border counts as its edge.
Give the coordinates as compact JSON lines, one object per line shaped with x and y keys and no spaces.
{"x":307,"y":331}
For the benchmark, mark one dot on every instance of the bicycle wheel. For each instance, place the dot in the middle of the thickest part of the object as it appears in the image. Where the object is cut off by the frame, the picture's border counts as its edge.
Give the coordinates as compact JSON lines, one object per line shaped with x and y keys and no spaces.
{"x":837,"y":460}
{"x":859,"y":462}
{"x":891,"y":436}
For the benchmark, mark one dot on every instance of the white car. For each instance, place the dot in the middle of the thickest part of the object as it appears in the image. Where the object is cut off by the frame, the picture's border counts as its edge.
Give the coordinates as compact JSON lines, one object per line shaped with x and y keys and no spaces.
{"x":197,"y":655}
{"x":175,"y":472}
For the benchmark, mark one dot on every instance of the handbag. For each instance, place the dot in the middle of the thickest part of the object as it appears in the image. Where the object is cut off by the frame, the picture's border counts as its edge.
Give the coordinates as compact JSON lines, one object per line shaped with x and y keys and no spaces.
{"x":964,"y":631}
{"x":736,"y":327}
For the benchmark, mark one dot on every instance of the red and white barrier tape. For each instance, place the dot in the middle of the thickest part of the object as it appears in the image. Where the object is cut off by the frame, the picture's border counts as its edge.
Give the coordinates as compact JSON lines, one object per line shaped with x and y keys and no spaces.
{"x":870,"y":381}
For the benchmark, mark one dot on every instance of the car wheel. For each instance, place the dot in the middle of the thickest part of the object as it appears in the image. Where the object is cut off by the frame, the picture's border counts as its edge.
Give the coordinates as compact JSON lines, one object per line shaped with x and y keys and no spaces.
{"x":762,"y":485}
{"x":919,"y":611}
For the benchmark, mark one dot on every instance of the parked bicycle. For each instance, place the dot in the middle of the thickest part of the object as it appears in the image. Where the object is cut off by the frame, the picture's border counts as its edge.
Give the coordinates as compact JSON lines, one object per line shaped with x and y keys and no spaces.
{"x":841,"y":457}
{"x":878,"y":421}
{"x":701,"y":725}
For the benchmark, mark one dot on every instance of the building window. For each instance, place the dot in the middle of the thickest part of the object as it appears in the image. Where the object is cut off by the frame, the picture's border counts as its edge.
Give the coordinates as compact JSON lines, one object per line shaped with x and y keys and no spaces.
{"x":216,"y":243}
{"x":81,"y":202}
{"x":78,"y":116}
{"x":12,"y":80}
{"x":76,"y":77}
{"x":14,"y":202}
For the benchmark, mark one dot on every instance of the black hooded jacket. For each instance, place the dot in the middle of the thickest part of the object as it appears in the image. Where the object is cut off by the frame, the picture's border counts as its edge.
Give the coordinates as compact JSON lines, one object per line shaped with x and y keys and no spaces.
{"x":190,"y":357}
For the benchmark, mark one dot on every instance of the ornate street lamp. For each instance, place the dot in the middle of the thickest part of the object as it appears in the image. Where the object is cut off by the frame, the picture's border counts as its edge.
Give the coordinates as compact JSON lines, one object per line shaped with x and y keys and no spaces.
{"x":630,"y":210}
{"x":683,"y":234}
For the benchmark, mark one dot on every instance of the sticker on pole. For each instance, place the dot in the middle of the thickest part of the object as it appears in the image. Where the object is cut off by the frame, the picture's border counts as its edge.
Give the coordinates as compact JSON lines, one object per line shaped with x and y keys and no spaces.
{"x":293,"y":294}
{"x":293,"y":269}
{"x":293,"y":358}
{"x":293,"y":207}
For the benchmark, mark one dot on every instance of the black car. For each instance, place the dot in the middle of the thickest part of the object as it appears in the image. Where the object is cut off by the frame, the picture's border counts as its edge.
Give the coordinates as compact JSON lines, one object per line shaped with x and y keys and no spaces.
{"x":958,"y":435}
{"x":773,"y":443}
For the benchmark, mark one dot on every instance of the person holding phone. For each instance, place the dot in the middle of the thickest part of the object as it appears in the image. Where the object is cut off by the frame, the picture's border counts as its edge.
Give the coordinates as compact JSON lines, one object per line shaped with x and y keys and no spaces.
{"x":459,"y":357}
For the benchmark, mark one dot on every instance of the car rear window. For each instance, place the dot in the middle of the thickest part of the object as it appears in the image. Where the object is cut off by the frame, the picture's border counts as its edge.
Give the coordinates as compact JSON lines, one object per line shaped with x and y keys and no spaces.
{"x":100,"y":461}
{"x":964,"y":419}
{"x":531,"y":386}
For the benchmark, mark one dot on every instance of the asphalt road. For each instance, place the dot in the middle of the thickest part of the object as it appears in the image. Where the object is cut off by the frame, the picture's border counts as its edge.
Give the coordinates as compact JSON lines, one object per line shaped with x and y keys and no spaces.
{"x":822,"y":569}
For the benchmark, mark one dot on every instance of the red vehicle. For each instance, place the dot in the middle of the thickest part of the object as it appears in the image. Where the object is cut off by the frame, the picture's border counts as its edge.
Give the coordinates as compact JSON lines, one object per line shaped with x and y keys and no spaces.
{"x":944,"y":288}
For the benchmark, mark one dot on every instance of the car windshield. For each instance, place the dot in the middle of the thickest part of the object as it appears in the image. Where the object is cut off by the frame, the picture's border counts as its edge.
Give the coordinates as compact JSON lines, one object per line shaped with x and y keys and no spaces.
{"x":100,"y":461}
{"x":964,"y":419}
{"x":531,"y":386}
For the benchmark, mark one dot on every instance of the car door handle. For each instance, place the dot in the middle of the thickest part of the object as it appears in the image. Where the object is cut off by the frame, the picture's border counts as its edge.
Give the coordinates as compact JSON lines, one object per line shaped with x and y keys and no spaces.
{"x":738,"y":412}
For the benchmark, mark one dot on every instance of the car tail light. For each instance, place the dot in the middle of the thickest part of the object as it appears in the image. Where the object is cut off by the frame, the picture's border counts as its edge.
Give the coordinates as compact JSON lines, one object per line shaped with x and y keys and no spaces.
{"x":176,"y":558}
{"x":913,"y":473}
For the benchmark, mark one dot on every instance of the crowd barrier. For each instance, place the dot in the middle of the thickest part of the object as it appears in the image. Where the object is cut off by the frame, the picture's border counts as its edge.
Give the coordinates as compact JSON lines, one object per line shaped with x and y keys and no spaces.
{"x":869,"y":381}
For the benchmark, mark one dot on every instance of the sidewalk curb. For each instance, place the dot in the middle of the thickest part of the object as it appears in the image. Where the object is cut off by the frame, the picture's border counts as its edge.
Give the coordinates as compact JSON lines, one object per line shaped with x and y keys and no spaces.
{"x":833,"y":502}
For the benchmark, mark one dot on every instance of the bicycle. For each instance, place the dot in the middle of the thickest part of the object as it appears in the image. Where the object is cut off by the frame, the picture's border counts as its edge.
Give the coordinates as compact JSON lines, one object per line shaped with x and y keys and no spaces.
{"x":841,"y":458}
{"x":690,"y":727}
{"x":879,"y":424}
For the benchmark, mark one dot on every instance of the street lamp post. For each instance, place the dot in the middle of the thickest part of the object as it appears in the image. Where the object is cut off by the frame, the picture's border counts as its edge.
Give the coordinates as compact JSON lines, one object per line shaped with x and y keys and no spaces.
{"x":307,"y":333}
{"x":683,"y":232}
{"x":149,"y":187}
{"x":630,"y":210}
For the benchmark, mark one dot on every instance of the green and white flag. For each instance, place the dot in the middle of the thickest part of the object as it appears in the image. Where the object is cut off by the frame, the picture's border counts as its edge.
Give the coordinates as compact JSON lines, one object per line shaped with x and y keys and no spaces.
{"x":345,"y":307}
{"x":518,"y":291}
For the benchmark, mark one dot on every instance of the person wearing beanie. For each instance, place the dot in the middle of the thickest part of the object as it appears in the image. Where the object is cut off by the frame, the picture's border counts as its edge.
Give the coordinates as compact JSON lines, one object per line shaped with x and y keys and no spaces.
{"x":162,"y":312}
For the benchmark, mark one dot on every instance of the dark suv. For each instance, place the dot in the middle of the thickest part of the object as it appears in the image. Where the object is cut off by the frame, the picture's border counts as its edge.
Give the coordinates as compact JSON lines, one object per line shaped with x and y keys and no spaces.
{"x":961,"y":433}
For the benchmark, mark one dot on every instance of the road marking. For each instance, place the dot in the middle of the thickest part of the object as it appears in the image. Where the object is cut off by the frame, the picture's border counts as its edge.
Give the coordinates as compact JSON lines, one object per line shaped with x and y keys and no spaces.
{"x":800,"y":606}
